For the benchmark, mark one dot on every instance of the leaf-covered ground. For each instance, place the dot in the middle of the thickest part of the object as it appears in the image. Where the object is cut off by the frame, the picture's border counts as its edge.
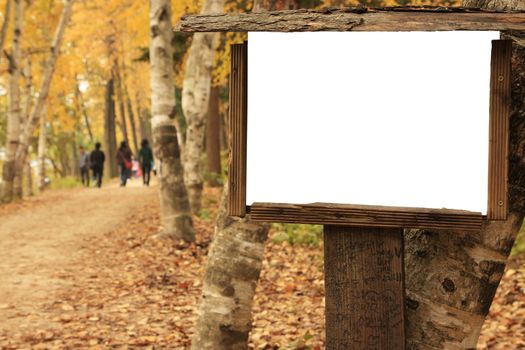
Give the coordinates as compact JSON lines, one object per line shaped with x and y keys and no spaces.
{"x":127,"y":290}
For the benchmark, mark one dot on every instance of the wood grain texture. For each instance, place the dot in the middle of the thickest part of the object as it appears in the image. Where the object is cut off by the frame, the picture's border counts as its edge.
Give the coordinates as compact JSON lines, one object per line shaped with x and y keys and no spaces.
{"x":366,"y":216}
{"x":356,"y":19}
{"x":238,"y":131}
{"x":500,"y":95}
{"x":364,"y":283}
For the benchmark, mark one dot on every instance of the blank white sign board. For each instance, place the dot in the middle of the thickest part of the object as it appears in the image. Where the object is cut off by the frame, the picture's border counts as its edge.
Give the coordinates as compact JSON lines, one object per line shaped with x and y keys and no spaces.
{"x":396,"y":119}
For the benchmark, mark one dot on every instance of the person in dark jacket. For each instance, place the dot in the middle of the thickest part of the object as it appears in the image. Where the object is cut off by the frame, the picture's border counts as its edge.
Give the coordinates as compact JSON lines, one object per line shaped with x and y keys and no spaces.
{"x":146,"y":161}
{"x":124,"y":156}
{"x":96,"y":160}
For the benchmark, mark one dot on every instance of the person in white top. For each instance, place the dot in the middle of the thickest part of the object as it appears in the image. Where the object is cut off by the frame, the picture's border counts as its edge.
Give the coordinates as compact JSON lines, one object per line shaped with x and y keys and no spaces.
{"x":84,"y":166}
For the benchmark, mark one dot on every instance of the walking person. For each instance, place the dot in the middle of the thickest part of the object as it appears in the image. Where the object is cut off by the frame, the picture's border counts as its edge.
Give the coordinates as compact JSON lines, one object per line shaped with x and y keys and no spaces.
{"x":124,"y":162}
{"x":97,"y":159}
{"x":146,"y":161}
{"x":84,"y":166}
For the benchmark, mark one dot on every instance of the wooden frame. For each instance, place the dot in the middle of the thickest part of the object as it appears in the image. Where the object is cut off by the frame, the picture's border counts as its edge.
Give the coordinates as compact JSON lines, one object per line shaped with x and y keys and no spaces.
{"x":374,"y":216}
{"x":357,"y":19}
{"x":500,"y":89}
{"x":238,"y":126}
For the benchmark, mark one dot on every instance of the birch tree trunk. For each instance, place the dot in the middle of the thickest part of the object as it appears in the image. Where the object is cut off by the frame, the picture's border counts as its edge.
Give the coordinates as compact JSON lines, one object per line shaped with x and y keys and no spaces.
{"x":42,"y":146}
{"x":13,"y":118}
{"x":452,"y":277}
{"x":232,"y":271}
{"x":5,"y":24}
{"x":34,"y":117}
{"x":24,"y":115}
{"x":175,"y":207}
{"x":195,"y":103}
{"x":29,"y":179}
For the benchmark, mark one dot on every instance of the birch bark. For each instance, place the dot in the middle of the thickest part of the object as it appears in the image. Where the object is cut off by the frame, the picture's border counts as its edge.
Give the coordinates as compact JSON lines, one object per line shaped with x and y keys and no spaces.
{"x":232,"y":272}
{"x":5,"y":24}
{"x":24,"y":115}
{"x":34,"y":117}
{"x":195,"y":103}
{"x":42,"y":146}
{"x":452,"y":277}
{"x":175,"y":207}
{"x":13,"y":118}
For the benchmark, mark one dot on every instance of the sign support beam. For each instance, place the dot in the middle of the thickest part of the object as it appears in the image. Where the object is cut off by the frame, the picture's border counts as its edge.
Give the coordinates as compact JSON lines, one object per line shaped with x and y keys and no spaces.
{"x":365,"y":292}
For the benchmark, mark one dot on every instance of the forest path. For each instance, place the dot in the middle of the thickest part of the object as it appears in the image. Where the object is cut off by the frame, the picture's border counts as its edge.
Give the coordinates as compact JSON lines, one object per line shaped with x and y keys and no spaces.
{"x":47,"y":235}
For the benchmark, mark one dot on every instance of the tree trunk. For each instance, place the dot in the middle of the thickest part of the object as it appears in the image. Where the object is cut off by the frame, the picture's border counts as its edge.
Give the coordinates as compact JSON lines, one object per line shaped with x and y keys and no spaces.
{"x":13,"y":118}
{"x":5,"y":24}
{"x":143,"y":118}
{"x":120,"y":96}
{"x":83,"y":110}
{"x":131,"y":120}
{"x":452,"y":276}
{"x":195,"y":103}
{"x":24,"y":116}
{"x":232,"y":271}
{"x":213,"y":139}
{"x":175,"y":207}
{"x":42,"y":147}
{"x":29,"y":179}
{"x":74,"y":157}
{"x":34,"y":117}
{"x":110,"y":137}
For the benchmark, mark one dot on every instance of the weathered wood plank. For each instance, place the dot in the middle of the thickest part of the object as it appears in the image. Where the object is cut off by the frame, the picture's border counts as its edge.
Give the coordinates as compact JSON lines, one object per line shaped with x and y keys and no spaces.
{"x":500,"y":95}
{"x":364,"y":283}
{"x":356,"y":19}
{"x":366,"y":216}
{"x":238,"y":119}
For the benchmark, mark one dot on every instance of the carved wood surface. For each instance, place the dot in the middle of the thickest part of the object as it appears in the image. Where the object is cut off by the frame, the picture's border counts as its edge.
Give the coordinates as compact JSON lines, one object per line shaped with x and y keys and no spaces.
{"x":364,"y":283}
{"x":366,"y":216}
{"x":500,"y":90}
{"x":356,"y":19}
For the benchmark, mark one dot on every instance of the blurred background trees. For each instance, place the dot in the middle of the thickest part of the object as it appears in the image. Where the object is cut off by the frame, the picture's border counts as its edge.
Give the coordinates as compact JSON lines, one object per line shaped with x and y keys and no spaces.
{"x":101,"y":79}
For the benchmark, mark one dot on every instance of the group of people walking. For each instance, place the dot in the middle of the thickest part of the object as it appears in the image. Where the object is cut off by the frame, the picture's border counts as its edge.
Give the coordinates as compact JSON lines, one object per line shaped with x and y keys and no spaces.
{"x":94,"y":161}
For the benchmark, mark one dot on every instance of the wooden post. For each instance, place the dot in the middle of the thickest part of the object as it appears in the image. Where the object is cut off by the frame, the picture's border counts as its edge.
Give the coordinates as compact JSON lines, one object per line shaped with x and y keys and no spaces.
{"x":364,"y":282}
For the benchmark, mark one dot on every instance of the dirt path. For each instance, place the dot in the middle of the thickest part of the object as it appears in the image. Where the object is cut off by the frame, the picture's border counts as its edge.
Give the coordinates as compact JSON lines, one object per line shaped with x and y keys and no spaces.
{"x":47,"y":236}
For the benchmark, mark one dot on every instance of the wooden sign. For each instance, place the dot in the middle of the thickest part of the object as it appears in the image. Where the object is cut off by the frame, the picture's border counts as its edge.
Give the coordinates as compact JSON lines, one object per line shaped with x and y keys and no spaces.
{"x":363,"y":242}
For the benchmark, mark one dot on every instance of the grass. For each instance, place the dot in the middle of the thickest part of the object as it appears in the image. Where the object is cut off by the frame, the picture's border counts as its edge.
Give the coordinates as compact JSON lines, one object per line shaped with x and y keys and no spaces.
{"x":519,"y":244}
{"x":298,"y":234}
{"x":64,"y":182}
